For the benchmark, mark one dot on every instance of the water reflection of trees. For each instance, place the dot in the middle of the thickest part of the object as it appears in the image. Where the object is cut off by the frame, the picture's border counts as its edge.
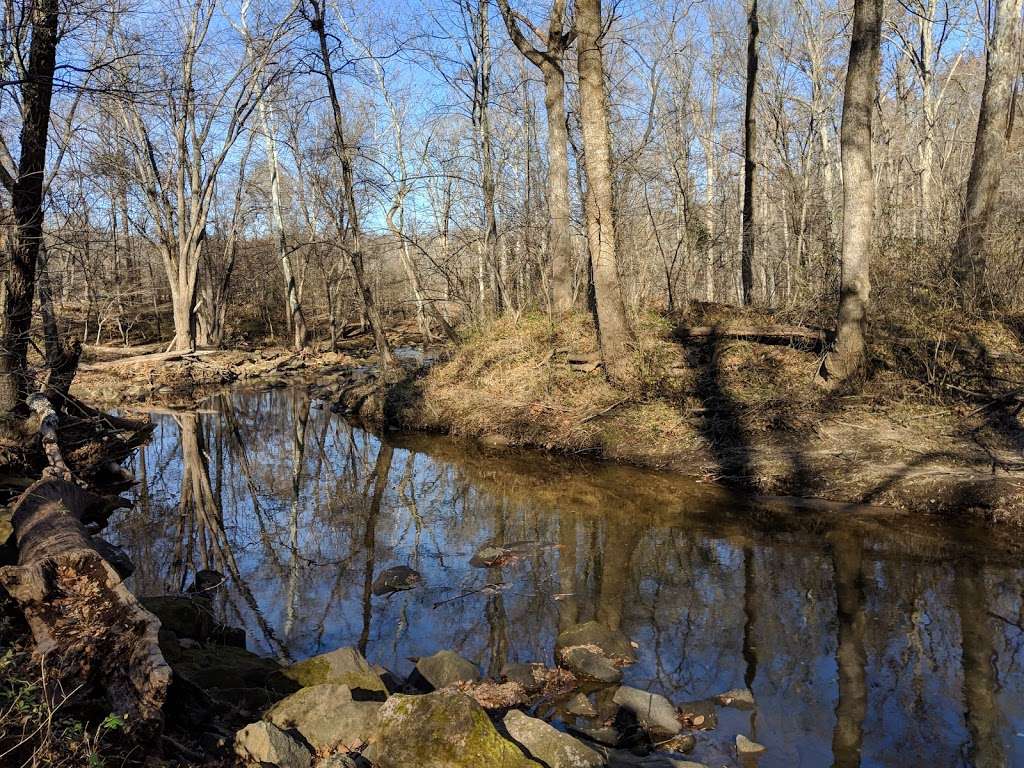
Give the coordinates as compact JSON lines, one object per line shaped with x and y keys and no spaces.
{"x":863,"y":644}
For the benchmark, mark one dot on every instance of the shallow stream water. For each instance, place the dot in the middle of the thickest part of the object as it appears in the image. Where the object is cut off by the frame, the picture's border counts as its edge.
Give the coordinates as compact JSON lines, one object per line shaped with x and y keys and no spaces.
{"x":867,"y":637}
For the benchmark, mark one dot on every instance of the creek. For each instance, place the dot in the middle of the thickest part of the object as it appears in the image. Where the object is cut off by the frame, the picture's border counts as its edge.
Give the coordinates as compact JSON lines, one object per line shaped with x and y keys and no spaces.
{"x":867,"y":636}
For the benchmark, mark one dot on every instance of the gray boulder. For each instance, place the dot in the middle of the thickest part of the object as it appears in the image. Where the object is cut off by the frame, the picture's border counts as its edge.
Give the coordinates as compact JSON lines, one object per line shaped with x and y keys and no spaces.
{"x":345,"y":666}
{"x":442,"y":669}
{"x":589,"y":663}
{"x":549,"y":745}
{"x":327,"y":717}
{"x":655,"y":713}
{"x":440,"y":730}
{"x":266,"y":744}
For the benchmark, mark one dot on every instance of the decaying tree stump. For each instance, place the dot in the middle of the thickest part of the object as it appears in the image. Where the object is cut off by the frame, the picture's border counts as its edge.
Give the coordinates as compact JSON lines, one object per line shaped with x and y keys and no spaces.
{"x":84,"y":620}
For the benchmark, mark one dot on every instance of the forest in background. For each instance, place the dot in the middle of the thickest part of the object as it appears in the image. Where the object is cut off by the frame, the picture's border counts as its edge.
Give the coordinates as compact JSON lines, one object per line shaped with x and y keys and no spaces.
{"x":205,"y":180}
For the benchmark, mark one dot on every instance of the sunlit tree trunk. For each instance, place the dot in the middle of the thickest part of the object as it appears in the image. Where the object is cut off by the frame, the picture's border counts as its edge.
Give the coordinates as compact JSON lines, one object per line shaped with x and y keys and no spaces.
{"x":551,"y":64}
{"x":1002,"y":67}
{"x":845,"y":363}
{"x":296,"y":317}
{"x":749,"y":162}
{"x":613,"y":329}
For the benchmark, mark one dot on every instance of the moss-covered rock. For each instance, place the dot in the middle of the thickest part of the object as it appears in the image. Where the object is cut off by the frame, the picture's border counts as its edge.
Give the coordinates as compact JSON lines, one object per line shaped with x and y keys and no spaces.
{"x":345,"y":666}
{"x":441,"y":730}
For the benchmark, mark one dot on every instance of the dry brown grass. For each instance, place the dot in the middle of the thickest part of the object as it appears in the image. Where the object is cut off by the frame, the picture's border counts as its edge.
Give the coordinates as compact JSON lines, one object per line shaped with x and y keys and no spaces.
{"x":697,"y":402}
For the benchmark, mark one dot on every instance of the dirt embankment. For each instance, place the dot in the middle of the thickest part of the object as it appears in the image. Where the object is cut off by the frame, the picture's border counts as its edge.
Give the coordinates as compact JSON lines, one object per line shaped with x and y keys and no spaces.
{"x":937,"y":428}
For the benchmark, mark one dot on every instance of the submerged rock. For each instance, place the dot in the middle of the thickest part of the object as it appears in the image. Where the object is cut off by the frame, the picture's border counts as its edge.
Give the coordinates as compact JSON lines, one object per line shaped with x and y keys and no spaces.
{"x":440,"y":730}
{"x":549,"y":745}
{"x":610,"y":642}
{"x":653,"y":712}
{"x":442,"y":669}
{"x":580,"y":706}
{"x":264,"y":743}
{"x":396,"y":579}
{"x":344,"y":666}
{"x":327,"y":717}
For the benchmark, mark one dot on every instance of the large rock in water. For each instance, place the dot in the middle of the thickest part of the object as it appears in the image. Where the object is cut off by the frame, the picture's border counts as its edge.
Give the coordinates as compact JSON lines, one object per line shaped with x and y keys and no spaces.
{"x":440,"y":730}
{"x":442,"y":669}
{"x":588,"y":663}
{"x":610,"y":642}
{"x":655,"y":713}
{"x":592,"y":650}
{"x":549,"y":745}
{"x":345,"y":666}
{"x":327,"y":717}
{"x":266,"y":744}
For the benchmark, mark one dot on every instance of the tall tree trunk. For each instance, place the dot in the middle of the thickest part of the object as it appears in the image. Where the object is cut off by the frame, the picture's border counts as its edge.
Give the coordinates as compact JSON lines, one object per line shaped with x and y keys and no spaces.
{"x":559,"y":234}
{"x":613,"y":329}
{"x":293,"y":305}
{"x":18,"y":290}
{"x":551,"y":64}
{"x":749,"y":165}
{"x":845,"y":362}
{"x":354,"y":246}
{"x":1001,"y":69}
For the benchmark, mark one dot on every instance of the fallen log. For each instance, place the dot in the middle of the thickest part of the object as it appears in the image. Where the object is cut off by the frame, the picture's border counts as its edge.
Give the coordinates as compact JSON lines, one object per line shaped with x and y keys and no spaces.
{"x":155,"y":357}
{"x":797,"y":335}
{"x":87,"y":625}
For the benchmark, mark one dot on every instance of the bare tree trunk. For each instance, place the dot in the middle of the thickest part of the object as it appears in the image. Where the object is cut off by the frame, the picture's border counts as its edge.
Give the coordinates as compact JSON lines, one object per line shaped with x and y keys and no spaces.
{"x":749,"y":164}
{"x":1001,"y":69}
{"x":613,"y":329}
{"x":294,"y":306}
{"x":711,"y":186}
{"x":354,"y":247}
{"x":846,"y":361}
{"x":551,"y":64}
{"x":18,"y":290}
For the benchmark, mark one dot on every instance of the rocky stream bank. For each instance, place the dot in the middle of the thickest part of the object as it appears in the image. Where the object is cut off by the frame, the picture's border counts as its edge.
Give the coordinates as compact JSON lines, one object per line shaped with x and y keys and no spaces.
{"x":337,"y":710}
